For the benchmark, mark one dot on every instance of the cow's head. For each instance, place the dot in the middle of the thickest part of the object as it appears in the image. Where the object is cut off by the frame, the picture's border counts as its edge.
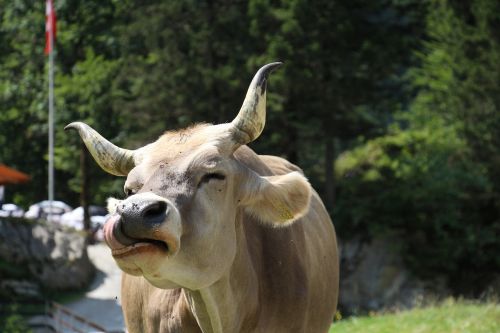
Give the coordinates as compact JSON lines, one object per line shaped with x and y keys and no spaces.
{"x":186,"y":192}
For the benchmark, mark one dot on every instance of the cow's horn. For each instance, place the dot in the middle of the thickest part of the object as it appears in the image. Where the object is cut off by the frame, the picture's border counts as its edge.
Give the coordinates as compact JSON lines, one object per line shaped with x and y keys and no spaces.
{"x":251,"y":119}
{"x":112,"y":159}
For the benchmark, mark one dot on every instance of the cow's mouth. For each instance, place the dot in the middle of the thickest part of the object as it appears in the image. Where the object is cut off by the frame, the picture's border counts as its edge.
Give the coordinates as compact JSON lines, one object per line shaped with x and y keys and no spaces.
{"x":143,"y":246}
{"x":123,"y":245}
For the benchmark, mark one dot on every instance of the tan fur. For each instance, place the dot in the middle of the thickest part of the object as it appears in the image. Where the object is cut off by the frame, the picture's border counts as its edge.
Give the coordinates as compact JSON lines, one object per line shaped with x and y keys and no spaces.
{"x":280,"y":280}
{"x":174,"y":144}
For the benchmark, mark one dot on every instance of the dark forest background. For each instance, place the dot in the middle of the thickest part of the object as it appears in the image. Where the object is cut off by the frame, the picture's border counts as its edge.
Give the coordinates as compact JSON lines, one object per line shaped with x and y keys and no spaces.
{"x":391,"y":107}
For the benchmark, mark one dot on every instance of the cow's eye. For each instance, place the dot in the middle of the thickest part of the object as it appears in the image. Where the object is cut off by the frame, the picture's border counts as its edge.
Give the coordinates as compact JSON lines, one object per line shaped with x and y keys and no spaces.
{"x":211,"y":176}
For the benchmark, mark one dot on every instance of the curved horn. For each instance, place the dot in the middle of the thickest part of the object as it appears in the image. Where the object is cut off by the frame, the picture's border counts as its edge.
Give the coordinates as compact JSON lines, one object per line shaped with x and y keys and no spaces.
{"x":251,"y":119}
{"x":112,"y":159}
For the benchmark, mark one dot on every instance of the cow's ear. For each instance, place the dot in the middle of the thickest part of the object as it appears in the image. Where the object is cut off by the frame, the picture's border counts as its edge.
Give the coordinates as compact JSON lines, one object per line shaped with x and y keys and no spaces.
{"x":278,"y":200}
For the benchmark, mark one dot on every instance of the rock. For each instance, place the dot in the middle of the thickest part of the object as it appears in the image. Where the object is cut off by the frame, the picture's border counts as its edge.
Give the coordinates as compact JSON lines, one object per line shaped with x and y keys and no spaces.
{"x":373,"y":278}
{"x":47,"y":255}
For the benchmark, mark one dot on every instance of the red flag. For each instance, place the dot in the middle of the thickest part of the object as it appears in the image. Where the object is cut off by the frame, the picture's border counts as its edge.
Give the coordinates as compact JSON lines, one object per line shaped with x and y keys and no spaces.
{"x":50,"y":26}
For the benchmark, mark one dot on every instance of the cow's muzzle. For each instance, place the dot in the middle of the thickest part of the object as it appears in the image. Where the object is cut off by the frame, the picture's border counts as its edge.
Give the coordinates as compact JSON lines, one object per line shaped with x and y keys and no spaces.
{"x":139,"y":220}
{"x":142,"y":219}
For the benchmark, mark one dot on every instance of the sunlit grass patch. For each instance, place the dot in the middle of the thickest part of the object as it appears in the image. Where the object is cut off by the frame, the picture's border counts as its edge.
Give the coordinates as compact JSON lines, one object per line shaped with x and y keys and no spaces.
{"x":448,"y":317}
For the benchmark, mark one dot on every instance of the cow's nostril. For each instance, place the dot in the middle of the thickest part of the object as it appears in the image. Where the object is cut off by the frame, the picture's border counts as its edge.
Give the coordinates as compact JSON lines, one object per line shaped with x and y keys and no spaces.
{"x":155,"y":210}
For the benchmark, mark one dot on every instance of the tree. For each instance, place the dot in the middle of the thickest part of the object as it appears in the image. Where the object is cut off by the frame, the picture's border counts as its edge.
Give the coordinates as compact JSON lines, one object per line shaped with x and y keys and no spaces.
{"x":337,"y":82}
{"x":83,"y":89}
{"x":182,"y":64}
{"x":23,"y":120}
{"x":458,"y":80}
{"x":432,"y":180}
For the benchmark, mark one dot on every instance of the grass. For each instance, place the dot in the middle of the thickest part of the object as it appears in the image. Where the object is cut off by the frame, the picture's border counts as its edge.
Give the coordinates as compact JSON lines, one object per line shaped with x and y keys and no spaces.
{"x":448,"y":317}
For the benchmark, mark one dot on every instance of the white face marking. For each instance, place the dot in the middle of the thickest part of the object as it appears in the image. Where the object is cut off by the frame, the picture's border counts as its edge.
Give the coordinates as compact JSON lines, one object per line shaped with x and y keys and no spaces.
{"x":112,"y":204}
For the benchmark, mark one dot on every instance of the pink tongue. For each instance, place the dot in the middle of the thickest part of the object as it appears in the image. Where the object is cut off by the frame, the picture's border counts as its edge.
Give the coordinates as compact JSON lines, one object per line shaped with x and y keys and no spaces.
{"x":110,"y":239}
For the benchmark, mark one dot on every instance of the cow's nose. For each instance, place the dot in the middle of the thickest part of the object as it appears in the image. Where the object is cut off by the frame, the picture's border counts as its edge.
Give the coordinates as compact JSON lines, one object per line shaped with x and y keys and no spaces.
{"x":139,"y":219}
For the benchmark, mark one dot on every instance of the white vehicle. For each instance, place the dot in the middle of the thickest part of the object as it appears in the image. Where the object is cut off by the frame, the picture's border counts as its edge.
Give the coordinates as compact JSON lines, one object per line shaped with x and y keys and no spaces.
{"x":11,"y":210}
{"x":74,"y":218}
{"x":42,"y":209}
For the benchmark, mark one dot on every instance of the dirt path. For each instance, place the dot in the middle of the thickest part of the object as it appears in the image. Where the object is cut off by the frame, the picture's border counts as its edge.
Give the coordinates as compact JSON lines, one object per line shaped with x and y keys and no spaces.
{"x":101,"y":303}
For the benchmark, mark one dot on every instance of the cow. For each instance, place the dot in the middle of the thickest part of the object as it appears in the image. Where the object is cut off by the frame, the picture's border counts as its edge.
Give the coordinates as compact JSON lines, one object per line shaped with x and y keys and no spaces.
{"x":212,"y":237}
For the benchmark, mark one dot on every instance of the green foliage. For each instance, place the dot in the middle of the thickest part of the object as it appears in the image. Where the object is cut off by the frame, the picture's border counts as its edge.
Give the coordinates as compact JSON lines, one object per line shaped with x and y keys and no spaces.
{"x":22,"y":99}
{"x":184,"y":62}
{"x":448,"y":317}
{"x":14,"y":323}
{"x":85,"y":94}
{"x":420,"y":185}
{"x":336,"y":81}
{"x":433,"y":180}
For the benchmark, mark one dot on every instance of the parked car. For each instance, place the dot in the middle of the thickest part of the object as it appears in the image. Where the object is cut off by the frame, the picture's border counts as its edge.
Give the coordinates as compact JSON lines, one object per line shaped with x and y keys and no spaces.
{"x":11,"y":210}
{"x":75,"y":218}
{"x":42,"y":209}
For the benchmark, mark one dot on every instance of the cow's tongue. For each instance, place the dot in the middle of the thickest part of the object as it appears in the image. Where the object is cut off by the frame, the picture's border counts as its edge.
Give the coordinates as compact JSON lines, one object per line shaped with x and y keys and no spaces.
{"x":113,"y":234}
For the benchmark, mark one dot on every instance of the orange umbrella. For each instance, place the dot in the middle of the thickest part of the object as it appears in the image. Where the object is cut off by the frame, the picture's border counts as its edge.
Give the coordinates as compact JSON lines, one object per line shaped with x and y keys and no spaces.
{"x":11,"y":176}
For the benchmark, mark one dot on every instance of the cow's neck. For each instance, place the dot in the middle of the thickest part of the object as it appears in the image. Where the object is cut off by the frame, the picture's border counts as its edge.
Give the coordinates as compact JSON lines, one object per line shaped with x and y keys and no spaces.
{"x":214,"y":308}
{"x":228,"y":303}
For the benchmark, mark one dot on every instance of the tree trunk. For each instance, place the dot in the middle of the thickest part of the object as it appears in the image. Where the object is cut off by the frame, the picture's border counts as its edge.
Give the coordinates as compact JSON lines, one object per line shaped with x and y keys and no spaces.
{"x":84,"y":192}
{"x":329,"y":173}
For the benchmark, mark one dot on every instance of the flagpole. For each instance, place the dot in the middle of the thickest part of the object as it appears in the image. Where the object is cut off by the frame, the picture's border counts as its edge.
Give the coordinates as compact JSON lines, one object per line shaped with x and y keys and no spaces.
{"x":51,"y":122}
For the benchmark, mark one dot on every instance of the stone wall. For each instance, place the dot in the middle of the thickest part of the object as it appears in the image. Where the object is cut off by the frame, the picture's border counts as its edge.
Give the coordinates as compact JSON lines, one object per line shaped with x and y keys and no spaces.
{"x":373,"y":277}
{"x":39,"y":256}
